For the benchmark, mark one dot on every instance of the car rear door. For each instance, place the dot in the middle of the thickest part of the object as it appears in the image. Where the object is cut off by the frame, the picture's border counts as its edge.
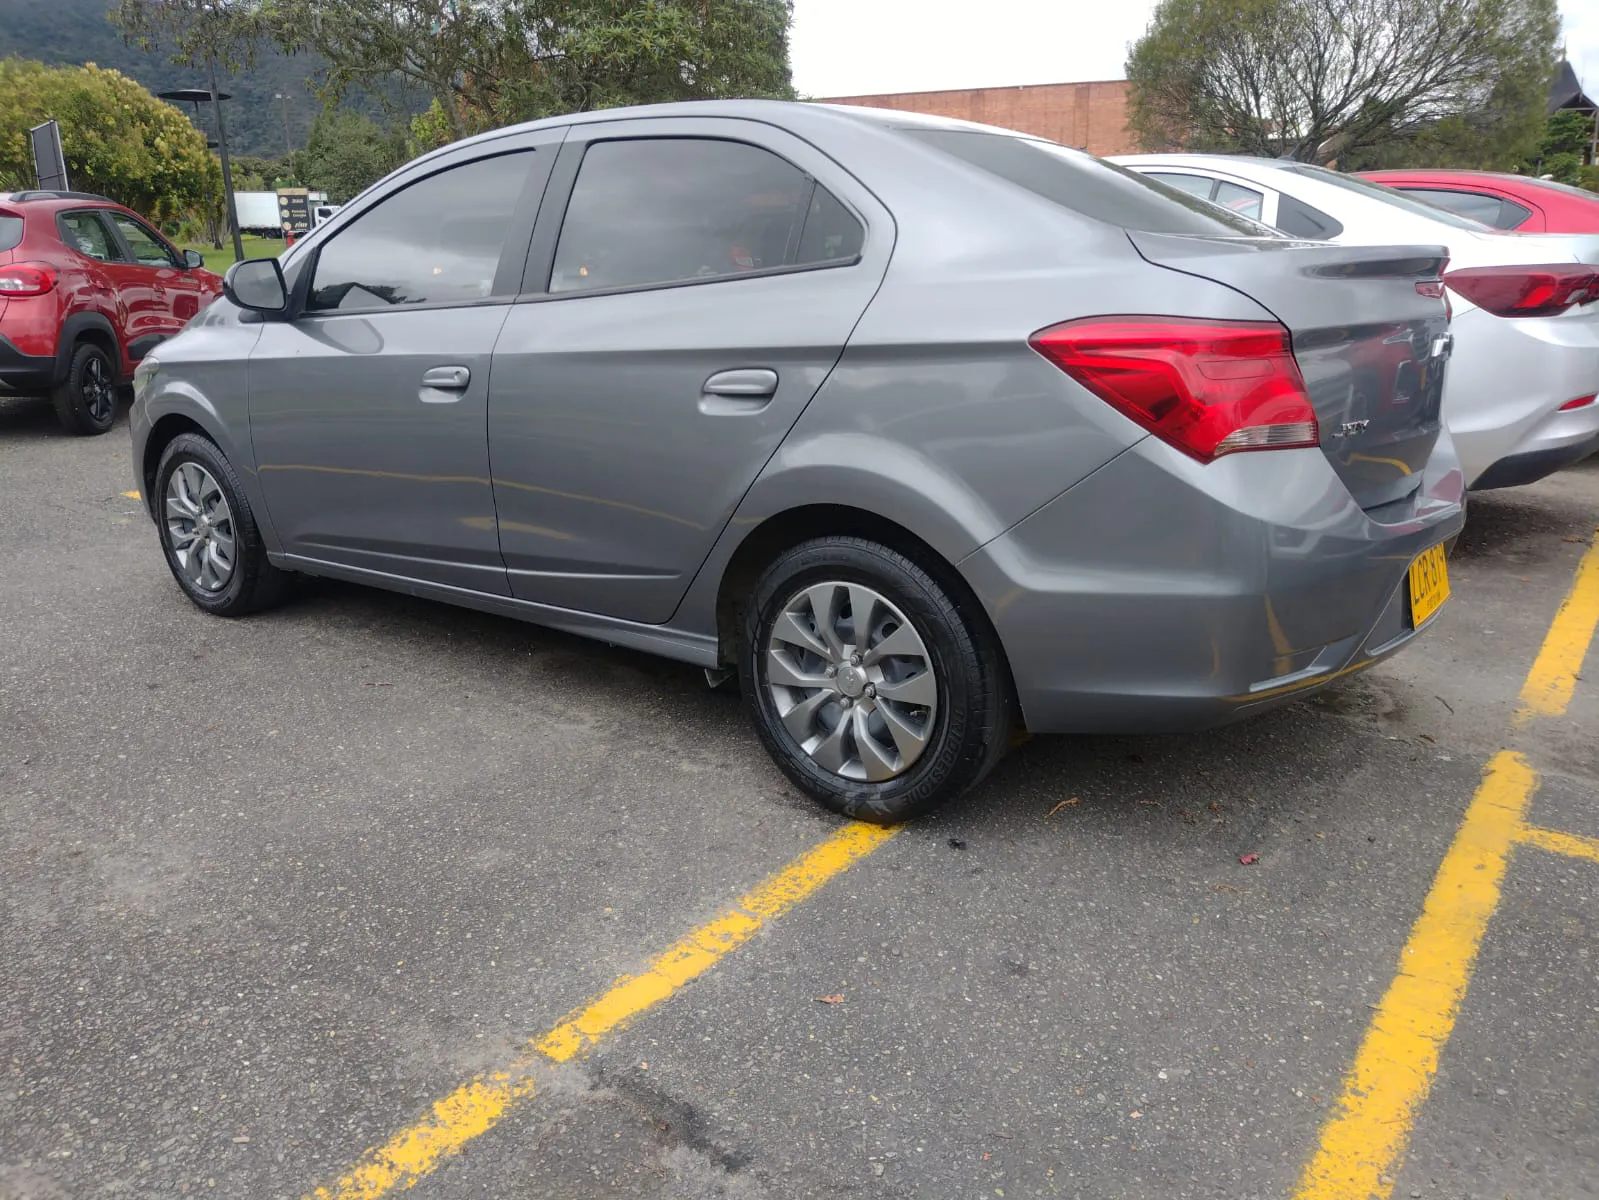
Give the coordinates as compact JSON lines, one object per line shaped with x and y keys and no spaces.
{"x":691,"y":284}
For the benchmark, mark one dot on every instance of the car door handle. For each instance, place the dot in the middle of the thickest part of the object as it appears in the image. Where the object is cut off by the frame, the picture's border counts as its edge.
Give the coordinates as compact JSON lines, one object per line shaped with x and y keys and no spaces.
{"x":751,"y":382}
{"x":447,"y":379}
{"x":728,"y":393}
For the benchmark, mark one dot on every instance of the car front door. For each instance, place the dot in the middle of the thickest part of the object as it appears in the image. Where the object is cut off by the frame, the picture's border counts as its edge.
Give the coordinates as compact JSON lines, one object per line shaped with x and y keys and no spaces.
{"x":690,"y":286}
{"x":368,"y":408}
{"x":161,"y":294}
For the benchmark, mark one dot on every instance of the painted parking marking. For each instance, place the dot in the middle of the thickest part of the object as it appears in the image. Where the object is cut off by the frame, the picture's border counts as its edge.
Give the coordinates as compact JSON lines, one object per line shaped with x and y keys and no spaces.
{"x":1549,"y":686}
{"x":1572,"y":845}
{"x":1364,"y":1139}
{"x":131,"y":495}
{"x":478,"y":1106}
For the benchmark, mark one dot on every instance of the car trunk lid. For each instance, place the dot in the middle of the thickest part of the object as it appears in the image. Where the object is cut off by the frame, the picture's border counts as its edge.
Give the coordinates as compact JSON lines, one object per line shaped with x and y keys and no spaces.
{"x":1370,"y":345}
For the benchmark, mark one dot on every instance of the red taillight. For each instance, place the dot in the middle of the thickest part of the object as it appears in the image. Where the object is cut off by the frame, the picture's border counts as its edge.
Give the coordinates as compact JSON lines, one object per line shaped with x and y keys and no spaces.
{"x":26,"y":279}
{"x":1579,"y":402}
{"x":1208,"y":388}
{"x":1526,"y":291}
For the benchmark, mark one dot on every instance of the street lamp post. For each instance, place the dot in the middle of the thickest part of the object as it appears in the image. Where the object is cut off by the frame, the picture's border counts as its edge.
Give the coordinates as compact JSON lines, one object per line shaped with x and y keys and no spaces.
{"x":194,"y":96}
{"x":227,"y":168}
{"x":288,"y":145}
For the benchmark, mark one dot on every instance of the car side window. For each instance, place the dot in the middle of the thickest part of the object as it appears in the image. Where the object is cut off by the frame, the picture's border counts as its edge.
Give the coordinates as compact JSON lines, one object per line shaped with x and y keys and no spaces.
{"x":654,"y":211}
{"x":148,"y":250}
{"x":1511,"y":215}
{"x":1303,"y":221}
{"x":1236,"y":198}
{"x":85,"y":233}
{"x":1194,"y":185}
{"x":437,"y":241}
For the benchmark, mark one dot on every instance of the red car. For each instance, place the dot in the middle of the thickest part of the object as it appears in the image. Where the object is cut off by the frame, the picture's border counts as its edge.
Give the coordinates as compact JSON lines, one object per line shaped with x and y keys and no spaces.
{"x":1502,"y":201}
{"x":87,"y":289}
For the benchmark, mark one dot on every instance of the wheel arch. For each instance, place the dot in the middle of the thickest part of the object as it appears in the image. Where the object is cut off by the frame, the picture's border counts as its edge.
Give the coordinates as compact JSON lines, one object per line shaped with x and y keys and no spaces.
{"x":791,"y":527}
{"x":94,"y":329}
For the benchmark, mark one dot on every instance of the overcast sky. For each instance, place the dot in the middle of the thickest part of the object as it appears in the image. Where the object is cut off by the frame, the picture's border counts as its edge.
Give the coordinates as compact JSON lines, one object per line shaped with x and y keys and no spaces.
{"x":864,"y":47}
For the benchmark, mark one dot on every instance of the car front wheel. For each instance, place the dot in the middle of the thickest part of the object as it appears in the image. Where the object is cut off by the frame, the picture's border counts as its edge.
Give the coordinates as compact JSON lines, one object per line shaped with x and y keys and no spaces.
{"x":208,"y":533}
{"x":869,"y":686}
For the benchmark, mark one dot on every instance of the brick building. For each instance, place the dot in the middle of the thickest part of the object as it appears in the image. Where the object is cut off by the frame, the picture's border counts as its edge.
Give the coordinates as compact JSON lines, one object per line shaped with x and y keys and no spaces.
{"x":1091,"y":116}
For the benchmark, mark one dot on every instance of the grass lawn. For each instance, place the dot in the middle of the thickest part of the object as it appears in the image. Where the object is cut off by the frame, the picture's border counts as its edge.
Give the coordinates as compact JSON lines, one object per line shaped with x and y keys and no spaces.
{"x":220,"y":260}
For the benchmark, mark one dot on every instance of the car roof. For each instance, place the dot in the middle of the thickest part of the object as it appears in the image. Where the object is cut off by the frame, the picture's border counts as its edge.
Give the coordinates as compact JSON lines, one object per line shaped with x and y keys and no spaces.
{"x":1186,"y":158}
{"x":791,"y":113}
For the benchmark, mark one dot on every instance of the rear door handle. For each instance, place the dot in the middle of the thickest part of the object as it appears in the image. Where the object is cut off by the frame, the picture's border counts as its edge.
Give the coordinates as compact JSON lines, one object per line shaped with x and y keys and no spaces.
{"x":748,"y":390}
{"x":446,"y":379}
{"x":755,"y":381}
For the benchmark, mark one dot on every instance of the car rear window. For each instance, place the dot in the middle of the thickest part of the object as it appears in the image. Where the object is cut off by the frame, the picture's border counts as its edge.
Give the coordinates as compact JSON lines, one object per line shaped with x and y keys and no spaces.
{"x":10,"y":231}
{"x":1088,"y":185}
{"x":1563,"y":188}
{"x":1377,"y":191}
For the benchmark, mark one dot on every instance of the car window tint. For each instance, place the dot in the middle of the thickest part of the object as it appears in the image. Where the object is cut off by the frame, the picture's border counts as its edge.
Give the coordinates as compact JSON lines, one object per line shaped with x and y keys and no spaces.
{"x":1301,"y":220}
{"x":1195,"y":185}
{"x":148,"y":250}
{"x":1236,"y":198}
{"x":831,"y":231}
{"x":669,"y":210}
{"x":1085,"y":184}
{"x":85,"y":233}
{"x":1511,"y":215}
{"x":437,"y":241}
{"x":1467,"y":204}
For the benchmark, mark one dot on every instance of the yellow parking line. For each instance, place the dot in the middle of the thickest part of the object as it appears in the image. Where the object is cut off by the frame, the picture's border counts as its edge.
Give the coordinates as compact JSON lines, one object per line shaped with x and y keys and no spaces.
{"x":1553,"y":678}
{"x":131,"y":495}
{"x":477,"y":1107}
{"x":1556,"y":842}
{"x":1363,"y":1140}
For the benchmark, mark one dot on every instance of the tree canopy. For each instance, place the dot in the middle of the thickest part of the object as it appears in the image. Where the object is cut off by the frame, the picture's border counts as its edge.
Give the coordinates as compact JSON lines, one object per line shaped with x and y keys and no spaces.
{"x":499,"y":61}
{"x":118,"y":139}
{"x":1320,"y":80}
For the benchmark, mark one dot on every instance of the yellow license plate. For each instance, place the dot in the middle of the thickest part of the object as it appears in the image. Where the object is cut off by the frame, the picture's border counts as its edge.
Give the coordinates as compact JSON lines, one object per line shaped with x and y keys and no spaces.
{"x":1429,"y":585}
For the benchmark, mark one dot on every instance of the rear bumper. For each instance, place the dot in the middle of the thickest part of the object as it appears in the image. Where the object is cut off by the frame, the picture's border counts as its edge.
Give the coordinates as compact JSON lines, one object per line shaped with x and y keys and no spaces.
{"x":1561,"y":440}
{"x":1507,"y":381}
{"x":25,"y":374}
{"x":1160,"y":595}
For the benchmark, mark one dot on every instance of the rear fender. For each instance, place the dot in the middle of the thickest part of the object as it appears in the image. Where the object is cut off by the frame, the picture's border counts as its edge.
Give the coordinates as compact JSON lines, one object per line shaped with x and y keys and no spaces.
{"x":98,"y":329}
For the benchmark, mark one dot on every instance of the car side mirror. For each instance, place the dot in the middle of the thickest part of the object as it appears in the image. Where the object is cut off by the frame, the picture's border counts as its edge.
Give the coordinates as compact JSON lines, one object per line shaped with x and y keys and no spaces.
{"x":257,"y":285}
{"x":193,"y":260}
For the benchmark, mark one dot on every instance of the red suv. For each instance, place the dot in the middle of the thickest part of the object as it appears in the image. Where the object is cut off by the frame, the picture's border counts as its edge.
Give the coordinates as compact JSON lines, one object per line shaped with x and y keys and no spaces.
{"x":1516,"y":202}
{"x":87,"y":289}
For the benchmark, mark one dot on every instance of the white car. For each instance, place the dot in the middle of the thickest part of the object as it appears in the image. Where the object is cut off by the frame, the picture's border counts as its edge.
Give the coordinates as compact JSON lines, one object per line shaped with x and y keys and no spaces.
{"x":1519,"y":397}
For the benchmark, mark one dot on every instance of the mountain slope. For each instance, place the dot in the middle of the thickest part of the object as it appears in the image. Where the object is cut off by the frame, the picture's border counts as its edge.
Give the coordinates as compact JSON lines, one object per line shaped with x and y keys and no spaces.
{"x":73,"y":32}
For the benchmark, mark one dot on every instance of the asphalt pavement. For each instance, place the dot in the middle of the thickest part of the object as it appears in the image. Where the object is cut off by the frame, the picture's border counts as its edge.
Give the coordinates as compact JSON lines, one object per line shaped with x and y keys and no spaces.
{"x":270,"y":889}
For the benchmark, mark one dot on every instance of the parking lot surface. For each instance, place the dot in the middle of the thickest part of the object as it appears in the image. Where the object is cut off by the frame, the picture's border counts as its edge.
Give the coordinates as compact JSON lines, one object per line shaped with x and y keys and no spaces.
{"x":274,"y":889}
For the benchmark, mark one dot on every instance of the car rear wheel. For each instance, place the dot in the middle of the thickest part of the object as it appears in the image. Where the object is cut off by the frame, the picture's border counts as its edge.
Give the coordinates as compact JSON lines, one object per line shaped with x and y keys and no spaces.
{"x":208,"y":533}
{"x":86,"y":400}
{"x":871,"y":689}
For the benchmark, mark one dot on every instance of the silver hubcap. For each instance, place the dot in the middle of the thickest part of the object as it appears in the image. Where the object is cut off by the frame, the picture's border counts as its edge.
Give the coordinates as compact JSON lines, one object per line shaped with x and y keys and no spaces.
{"x":852,"y":681}
{"x":200,"y":527}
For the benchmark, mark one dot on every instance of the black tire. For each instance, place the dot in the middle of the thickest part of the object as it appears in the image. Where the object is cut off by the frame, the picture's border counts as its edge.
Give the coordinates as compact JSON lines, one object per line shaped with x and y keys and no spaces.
{"x":86,"y":400}
{"x":971,"y":727}
{"x":254,"y":583}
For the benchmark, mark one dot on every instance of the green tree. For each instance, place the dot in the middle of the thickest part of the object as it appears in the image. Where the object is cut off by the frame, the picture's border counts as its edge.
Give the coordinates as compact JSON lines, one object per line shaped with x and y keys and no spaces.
{"x":347,"y":153}
{"x":1565,"y":143}
{"x":1320,"y":80}
{"x":118,"y":139}
{"x":487,"y":64}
